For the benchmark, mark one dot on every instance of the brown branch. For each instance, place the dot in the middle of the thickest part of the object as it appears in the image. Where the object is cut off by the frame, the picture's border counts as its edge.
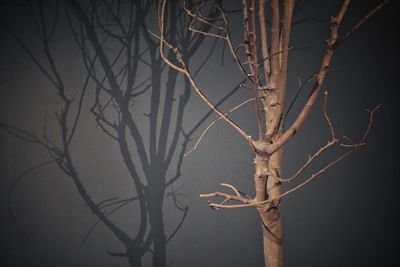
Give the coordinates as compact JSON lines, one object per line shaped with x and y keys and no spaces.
{"x":233,"y":51}
{"x":227,"y":198}
{"x":251,"y":38}
{"x":185,"y":71}
{"x":353,"y":148}
{"x":302,"y":85}
{"x":202,"y":19}
{"x":299,"y":121}
{"x":216,"y":110}
{"x":331,"y":44}
{"x":236,"y":59}
{"x":213,"y":123}
{"x":326,"y":116}
{"x":370,"y":121}
{"x":225,"y":36}
{"x":206,"y":33}
{"x":282,"y":78}
{"x":361,"y":23}
{"x":178,"y":55}
{"x":331,"y":143}
{"x":275,"y":68}
{"x":264,"y":41}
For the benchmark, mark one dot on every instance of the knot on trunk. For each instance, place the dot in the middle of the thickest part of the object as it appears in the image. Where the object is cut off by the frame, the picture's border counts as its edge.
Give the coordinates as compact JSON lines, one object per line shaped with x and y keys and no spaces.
{"x":260,"y":147}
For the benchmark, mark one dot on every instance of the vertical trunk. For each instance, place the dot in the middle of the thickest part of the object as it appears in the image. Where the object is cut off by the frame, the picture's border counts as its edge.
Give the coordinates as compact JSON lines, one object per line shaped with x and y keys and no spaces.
{"x":267,"y":188}
{"x":272,"y":238}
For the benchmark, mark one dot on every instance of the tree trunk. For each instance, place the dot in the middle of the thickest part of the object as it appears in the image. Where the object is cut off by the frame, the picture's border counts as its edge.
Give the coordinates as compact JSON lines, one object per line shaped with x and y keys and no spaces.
{"x":272,"y":238}
{"x":267,"y":187}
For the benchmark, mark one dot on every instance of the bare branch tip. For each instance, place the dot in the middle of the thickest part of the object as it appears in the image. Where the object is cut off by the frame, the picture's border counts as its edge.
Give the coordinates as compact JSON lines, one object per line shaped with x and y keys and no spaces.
{"x":376,"y":108}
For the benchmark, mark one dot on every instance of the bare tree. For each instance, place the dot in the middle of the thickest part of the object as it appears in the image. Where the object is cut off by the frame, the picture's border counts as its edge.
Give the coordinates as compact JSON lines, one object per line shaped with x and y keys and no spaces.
{"x":114,"y":42}
{"x":265,"y":73}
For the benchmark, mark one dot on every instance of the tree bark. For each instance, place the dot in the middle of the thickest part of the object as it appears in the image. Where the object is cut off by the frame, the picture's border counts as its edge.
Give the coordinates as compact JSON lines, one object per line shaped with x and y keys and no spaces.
{"x":272,"y":238}
{"x":267,"y":187}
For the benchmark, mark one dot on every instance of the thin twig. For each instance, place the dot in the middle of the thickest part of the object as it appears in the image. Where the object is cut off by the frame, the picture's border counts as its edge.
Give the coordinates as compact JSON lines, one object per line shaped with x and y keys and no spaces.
{"x":361,"y":22}
{"x":213,"y":123}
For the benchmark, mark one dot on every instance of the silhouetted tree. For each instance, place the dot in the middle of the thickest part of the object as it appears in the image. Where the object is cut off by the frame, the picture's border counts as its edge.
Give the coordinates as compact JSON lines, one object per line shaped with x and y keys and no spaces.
{"x":115,"y":44}
{"x":262,"y":57}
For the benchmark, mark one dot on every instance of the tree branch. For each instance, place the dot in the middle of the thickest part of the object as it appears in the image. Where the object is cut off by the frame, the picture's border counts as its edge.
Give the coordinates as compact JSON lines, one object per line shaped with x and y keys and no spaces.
{"x":361,"y":23}
{"x":213,"y":123}
{"x":299,"y":121}
{"x":353,"y":148}
{"x":227,"y":198}
{"x":184,"y":70}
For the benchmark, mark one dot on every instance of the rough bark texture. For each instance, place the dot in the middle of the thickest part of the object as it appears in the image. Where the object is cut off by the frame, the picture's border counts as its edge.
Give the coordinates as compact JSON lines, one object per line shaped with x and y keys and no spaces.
{"x":272,"y":238}
{"x":267,"y":187}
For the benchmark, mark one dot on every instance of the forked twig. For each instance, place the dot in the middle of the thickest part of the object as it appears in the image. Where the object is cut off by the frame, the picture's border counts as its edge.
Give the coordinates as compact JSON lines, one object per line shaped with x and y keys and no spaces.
{"x":227,"y":197}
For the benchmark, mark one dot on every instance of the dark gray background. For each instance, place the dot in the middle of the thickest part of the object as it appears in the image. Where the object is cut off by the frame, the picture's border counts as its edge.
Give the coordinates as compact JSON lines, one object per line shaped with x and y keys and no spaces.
{"x":346,"y":217}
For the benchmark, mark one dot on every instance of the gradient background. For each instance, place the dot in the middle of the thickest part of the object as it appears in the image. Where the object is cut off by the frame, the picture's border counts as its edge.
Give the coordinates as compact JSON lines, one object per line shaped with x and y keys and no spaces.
{"x":346,"y":217}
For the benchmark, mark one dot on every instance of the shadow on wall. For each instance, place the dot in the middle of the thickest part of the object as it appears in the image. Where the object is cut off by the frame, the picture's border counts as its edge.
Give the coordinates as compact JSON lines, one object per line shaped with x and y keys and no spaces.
{"x":119,"y":70}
